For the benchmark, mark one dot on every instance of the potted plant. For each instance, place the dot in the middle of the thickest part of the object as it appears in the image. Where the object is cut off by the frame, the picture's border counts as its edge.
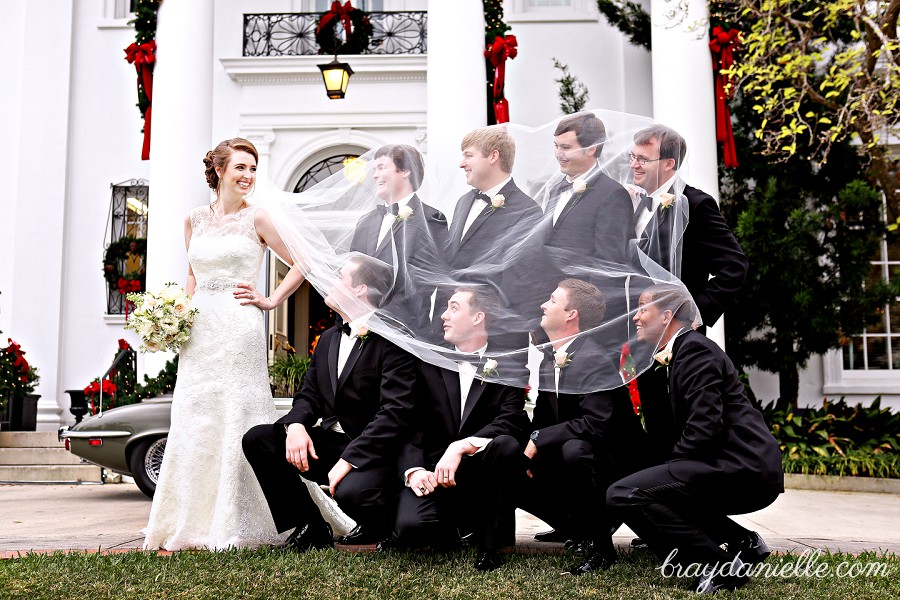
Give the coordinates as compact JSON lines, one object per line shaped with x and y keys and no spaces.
{"x":287,"y":372}
{"x":18,"y":379}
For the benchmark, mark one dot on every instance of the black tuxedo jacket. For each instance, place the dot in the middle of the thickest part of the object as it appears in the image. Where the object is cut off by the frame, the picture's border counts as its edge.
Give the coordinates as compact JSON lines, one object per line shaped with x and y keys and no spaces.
{"x":493,"y":249}
{"x":593,"y":224}
{"x":604,"y":418}
{"x":418,"y":244}
{"x":372,"y":399}
{"x":491,"y":410}
{"x":708,"y":248}
{"x":706,"y":420}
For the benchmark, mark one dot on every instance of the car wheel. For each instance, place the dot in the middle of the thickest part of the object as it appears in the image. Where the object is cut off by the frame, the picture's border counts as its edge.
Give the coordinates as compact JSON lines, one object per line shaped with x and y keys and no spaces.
{"x":145,"y":461}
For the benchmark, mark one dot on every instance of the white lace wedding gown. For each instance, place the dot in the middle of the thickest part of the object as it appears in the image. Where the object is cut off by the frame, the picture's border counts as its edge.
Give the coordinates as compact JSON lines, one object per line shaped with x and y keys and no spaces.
{"x":207,"y":495}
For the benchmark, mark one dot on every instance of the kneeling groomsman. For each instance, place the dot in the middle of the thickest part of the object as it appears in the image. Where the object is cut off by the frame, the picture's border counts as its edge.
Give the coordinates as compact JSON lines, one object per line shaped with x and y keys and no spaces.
{"x":580,"y":442}
{"x":360,"y":385}
{"x":722,"y":459}
{"x":460,"y":468}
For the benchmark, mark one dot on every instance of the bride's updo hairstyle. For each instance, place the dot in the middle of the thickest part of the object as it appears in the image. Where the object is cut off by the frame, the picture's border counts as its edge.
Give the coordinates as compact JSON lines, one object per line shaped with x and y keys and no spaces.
{"x":218,"y":158}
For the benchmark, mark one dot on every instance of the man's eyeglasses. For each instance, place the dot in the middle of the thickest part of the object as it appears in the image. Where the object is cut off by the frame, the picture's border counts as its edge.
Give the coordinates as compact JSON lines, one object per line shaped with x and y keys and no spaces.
{"x":641,"y":160}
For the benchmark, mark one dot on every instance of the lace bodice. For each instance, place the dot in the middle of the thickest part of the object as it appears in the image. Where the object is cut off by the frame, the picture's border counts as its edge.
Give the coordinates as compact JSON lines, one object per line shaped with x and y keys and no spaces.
{"x":224,"y":251}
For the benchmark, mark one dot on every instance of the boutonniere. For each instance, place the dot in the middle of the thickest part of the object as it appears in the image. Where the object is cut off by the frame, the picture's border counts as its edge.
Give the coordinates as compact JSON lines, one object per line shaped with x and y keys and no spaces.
{"x":404,"y":213}
{"x":362,"y":333}
{"x":666,"y":201}
{"x":579,"y":186}
{"x":489,"y":369}
{"x":562,"y":359}
{"x":498,"y":201}
{"x":663,"y":357}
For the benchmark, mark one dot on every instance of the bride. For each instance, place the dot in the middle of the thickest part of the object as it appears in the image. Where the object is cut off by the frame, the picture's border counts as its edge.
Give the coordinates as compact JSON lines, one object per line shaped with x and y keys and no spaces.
{"x":207,"y":495}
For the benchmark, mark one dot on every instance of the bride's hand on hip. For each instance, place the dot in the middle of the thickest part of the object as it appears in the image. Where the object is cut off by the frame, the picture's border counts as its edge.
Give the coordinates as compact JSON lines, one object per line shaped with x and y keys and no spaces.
{"x":250,"y":295}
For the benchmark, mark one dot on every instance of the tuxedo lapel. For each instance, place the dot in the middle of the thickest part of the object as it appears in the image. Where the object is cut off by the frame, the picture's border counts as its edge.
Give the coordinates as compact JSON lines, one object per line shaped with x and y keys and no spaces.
{"x":451,"y":384}
{"x":572,"y":354}
{"x":570,"y":205}
{"x":351,"y":361}
{"x":465,"y":205}
{"x":482,"y":217}
{"x":475,"y":392}
{"x":334,"y":344}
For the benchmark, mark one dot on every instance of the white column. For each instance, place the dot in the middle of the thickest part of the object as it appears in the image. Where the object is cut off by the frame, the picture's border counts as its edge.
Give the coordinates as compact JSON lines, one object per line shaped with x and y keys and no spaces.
{"x":40,"y":158}
{"x":456,"y":84}
{"x":181,"y":132}
{"x":683,"y":95}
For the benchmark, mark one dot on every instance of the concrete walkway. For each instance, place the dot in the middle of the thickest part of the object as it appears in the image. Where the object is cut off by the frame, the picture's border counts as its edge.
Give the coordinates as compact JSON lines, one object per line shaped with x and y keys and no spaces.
{"x":110,"y":516}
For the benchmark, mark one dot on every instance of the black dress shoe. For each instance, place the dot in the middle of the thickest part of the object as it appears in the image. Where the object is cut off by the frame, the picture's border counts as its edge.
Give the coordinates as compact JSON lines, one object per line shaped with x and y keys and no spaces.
{"x":360,"y":536}
{"x":488,"y":560}
{"x":594,"y":563}
{"x":752,"y":549}
{"x":716,"y":581}
{"x":310,"y":536}
{"x":580,"y":547}
{"x":552,"y":536}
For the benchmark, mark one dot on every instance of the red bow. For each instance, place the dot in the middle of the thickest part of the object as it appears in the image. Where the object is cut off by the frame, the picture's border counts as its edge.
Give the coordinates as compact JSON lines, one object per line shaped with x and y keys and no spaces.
{"x":123,"y":345}
{"x":337,"y":12}
{"x":143,"y":56}
{"x":108,"y":388}
{"x":497,"y":52}
{"x":722,"y":46}
{"x":126,"y":286}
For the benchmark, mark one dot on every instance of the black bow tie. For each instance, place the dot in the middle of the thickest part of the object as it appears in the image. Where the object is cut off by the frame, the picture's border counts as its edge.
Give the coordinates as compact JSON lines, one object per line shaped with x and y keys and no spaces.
{"x":645,"y":202}
{"x":548,"y":353}
{"x":393,"y":208}
{"x":482,"y":196}
{"x":345,"y":329}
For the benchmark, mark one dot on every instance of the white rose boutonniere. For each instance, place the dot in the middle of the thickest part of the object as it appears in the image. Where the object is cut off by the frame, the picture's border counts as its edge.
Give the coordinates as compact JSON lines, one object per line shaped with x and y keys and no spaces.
{"x":404,"y":213}
{"x":489,"y":369}
{"x":498,"y":201}
{"x":663,"y":357}
{"x":666,"y":201}
{"x":362,"y":333}
{"x":579,"y":186}
{"x":562,"y":359}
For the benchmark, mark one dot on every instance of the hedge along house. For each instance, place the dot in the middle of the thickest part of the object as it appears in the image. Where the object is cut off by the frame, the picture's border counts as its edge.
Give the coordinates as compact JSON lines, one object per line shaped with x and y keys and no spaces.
{"x":74,"y":141}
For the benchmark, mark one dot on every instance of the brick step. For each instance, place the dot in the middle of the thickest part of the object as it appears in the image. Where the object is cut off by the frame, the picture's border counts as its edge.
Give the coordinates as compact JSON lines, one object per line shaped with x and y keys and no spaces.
{"x":49,"y":473}
{"x":29,"y":439}
{"x":37,"y":456}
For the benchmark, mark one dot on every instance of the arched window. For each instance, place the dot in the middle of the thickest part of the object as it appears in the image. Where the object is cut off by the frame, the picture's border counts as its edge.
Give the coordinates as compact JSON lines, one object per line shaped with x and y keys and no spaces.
{"x":323,"y":170}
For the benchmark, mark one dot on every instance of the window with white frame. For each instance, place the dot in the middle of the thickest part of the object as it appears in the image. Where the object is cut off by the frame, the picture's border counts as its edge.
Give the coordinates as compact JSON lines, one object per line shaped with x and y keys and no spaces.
{"x":878,"y":347}
{"x":125,"y":250}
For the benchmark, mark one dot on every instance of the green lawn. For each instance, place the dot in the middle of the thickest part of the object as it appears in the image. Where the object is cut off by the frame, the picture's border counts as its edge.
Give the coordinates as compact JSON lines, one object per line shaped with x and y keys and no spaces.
{"x":334,"y":574}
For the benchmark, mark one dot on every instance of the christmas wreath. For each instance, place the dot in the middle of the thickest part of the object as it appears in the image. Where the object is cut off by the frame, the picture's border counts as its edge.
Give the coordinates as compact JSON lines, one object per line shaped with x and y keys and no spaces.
{"x":357,"y":30}
{"x":116,"y":254}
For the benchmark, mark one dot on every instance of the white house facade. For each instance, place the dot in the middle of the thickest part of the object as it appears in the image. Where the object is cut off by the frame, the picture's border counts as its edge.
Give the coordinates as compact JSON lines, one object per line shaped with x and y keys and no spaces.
{"x":72,"y":140}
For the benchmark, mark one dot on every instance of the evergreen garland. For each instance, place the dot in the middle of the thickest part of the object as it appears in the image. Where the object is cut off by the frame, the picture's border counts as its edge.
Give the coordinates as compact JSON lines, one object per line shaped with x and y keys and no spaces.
{"x":144,"y":22}
{"x":628,"y":17}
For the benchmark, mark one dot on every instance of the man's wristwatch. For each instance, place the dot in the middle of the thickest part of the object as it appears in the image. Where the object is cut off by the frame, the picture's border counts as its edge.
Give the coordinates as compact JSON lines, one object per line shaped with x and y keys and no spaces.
{"x":534,"y":435}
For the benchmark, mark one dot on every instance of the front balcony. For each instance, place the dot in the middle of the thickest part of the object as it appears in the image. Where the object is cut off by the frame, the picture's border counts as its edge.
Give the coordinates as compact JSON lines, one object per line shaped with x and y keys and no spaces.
{"x":294,"y":34}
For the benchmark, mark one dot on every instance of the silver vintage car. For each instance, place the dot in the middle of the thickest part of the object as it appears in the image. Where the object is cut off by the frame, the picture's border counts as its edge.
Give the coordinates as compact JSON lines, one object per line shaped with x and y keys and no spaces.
{"x":130,"y":440}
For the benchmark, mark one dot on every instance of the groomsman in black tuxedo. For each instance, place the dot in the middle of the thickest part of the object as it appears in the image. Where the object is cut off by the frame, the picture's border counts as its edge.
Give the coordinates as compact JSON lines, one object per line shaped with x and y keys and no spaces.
{"x":722,"y":459}
{"x":360,"y":385}
{"x":490,"y":227}
{"x":712,"y":266}
{"x":582,"y":440}
{"x":461,"y":466}
{"x":406,"y":233}
{"x":586,"y":210}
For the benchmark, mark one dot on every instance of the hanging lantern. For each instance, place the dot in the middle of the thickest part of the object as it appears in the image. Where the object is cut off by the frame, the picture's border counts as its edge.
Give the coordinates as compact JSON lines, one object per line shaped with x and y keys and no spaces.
{"x":336,"y":76}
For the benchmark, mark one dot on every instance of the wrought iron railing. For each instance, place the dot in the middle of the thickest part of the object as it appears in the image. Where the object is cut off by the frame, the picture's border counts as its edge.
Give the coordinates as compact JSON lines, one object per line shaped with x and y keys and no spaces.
{"x":127,"y":220}
{"x":294,"y":34}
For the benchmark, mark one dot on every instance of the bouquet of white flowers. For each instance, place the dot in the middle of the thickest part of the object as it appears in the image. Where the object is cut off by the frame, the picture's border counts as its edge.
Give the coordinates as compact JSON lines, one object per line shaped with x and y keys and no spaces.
{"x":162,"y":320}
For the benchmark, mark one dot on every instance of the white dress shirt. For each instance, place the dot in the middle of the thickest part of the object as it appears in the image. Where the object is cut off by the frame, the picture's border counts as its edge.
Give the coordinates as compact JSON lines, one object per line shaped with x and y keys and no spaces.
{"x":479,"y":205}
{"x":557,"y":369}
{"x":645,"y":217}
{"x":565,"y":196}
{"x":347,"y":343}
{"x":387,"y":221}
